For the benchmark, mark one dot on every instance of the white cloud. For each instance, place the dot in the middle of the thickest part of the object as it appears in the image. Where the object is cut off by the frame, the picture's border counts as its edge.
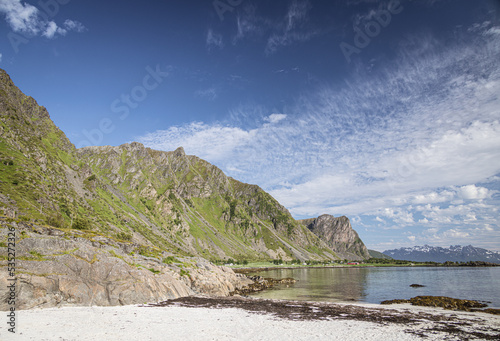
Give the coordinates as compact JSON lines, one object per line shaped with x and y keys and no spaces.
{"x":29,"y":20}
{"x":73,"y":25}
{"x":433,"y":197}
{"x":275,"y":118}
{"x":209,"y":142}
{"x":21,"y":17}
{"x":471,"y":192}
{"x":0,"y":57}
{"x":50,"y":30}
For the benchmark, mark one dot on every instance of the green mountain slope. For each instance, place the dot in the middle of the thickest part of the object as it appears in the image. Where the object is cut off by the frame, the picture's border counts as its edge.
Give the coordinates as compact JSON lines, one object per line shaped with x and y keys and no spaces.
{"x":377,"y":254}
{"x":162,"y":200}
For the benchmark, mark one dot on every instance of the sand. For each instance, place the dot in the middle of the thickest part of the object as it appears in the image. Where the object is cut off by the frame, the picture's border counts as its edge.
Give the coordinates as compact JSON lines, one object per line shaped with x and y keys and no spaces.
{"x":239,"y":319}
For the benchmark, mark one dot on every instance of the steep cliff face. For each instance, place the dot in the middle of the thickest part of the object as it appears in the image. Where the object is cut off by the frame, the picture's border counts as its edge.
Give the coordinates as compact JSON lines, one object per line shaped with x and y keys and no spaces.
{"x":339,"y":235}
{"x":169,"y":200}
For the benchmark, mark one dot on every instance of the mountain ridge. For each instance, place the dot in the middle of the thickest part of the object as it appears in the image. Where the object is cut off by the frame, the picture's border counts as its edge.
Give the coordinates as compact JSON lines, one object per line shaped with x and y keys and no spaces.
{"x":170,"y":200}
{"x":455,"y":253}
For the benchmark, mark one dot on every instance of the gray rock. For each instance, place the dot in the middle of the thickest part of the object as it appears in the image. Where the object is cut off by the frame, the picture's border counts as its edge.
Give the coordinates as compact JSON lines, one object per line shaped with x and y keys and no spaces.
{"x":54,"y":270}
{"x":339,"y":235}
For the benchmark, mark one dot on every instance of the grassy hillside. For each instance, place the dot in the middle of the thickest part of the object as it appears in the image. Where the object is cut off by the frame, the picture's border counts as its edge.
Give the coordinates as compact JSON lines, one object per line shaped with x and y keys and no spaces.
{"x":161,"y":200}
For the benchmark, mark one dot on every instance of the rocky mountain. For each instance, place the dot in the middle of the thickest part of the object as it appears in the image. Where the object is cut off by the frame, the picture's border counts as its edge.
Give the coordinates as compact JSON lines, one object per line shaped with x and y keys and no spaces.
{"x":454,"y":253}
{"x":169,"y":200}
{"x":339,"y":235}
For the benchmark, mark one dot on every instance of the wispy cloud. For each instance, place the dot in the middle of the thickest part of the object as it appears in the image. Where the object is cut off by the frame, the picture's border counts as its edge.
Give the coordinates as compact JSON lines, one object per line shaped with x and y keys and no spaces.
{"x":414,"y":147}
{"x":291,"y":29}
{"x":277,"y":32}
{"x":29,"y":20}
{"x":248,"y":23}
{"x":209,"y":94}
{"x":214,"y":40}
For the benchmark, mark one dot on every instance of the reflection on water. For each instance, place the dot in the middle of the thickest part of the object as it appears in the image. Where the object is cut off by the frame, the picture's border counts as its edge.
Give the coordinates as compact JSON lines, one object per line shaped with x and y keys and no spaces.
{"x":374,"y":285}
{"x":342,"y":284}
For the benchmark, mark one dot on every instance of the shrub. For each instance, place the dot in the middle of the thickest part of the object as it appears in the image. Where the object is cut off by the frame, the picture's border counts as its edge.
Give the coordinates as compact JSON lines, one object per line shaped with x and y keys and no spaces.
{"x":55,"y":220}
{"x":80,"y":224}
{"x":124,"y":236}
{"x":170,"y":260}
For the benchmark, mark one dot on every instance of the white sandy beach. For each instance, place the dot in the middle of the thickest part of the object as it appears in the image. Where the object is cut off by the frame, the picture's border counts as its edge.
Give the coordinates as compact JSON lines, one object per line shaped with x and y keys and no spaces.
{"x":186,"y":323}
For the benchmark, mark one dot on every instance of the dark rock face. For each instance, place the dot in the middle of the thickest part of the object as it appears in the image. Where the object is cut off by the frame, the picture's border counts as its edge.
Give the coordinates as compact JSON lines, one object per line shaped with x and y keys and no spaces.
{"x":339,"y":235}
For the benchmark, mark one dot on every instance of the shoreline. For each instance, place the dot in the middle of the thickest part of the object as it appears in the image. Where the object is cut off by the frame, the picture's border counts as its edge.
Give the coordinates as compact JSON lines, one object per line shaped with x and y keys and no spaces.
{"x":245,"y":270}
{"x":242,"y":318}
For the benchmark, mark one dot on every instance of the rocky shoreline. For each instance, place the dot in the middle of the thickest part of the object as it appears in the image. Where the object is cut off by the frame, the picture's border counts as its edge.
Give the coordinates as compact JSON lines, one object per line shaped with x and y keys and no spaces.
{"x":59,"y":267}
{"x":260,"y":283}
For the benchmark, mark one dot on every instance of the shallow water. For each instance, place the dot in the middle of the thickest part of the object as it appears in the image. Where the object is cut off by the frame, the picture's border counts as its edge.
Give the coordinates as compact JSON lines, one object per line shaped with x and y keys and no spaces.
{"x":376,"y":284}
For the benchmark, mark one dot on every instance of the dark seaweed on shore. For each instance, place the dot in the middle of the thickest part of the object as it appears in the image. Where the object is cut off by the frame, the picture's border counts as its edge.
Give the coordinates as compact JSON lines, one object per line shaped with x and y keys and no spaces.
{"x":311,"y":311}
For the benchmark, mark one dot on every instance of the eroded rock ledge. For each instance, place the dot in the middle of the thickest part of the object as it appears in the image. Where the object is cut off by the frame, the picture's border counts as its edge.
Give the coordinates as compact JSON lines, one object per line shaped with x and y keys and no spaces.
{"x":56,"y":267}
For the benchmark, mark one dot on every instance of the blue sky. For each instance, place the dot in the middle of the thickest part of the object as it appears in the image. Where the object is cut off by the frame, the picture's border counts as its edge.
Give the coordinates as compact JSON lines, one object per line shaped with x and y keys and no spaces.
{"x":387,"y":112}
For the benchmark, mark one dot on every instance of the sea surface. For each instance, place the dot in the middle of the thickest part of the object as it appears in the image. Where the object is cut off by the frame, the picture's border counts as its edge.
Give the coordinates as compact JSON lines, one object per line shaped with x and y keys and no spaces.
{"x":376,"y":284}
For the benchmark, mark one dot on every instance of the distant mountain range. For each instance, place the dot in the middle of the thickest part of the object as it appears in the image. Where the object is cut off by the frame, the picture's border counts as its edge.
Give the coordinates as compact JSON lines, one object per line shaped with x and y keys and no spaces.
{"x":455,"y":253}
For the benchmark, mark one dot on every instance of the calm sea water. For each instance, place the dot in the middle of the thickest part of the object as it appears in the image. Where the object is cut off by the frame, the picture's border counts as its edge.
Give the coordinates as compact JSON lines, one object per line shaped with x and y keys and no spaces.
{"x":373,"y":285}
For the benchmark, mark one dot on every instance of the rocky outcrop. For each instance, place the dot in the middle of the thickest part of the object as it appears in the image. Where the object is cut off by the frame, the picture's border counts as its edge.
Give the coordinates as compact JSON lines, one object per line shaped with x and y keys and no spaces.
{"x":444,"y":302}
{"x":56,"y":267}
{"x":339,"y":235}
